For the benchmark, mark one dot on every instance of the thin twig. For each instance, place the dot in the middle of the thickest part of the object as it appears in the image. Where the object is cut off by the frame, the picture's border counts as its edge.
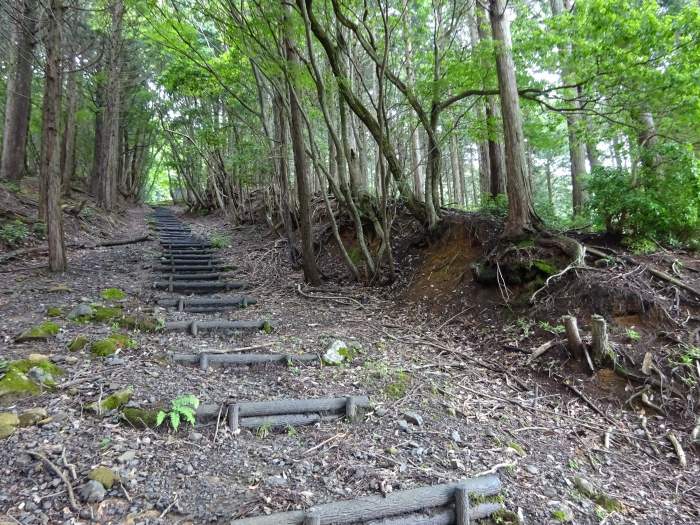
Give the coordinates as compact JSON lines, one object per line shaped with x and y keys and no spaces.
{"x":71,"y":495}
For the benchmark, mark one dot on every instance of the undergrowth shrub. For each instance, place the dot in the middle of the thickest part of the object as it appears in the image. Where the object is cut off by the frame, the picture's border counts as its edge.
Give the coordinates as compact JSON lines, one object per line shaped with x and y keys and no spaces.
{"x":659,"y":205}
{"x":14,"y":233}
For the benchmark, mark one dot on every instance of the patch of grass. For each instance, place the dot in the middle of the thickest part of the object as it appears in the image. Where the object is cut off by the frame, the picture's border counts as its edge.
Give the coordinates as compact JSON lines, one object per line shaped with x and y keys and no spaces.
{"x":263,"y":430}
{"x":517,"y":447}
{"x":220,"y":240}
{"x":109,"y":345}
{"x":291,"y":431}
{"x":102,"y":314}
{"x":78,"y":343}
{"x":558,"y":329}
{"x":397,"y":388}
{"x":560,"y":516}
{"x":112,"y":294}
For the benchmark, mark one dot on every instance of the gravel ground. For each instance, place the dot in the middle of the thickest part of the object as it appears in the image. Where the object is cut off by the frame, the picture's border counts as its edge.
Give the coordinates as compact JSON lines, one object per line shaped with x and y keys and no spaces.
{"x":482,"y":409}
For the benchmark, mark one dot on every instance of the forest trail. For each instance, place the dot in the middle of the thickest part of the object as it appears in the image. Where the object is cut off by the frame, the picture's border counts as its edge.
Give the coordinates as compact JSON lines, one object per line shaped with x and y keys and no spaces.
{"x":442,"y":407}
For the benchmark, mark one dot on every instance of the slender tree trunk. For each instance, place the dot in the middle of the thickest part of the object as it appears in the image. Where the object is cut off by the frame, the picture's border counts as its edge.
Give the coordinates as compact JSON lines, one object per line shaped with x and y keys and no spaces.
{"x":69,"y":133}
{"x":574,"y":122}
{"x":521,"y":213}
{"x":455,"y":161}
{"x":97,"y":150}
{"x":50,"y":149}
{"x":19,"y":94}
{"x":311,"y":272}
{"x":109,"y":164}
{"x":281,"y":154}
{"x":497,"y":167}
{"x":548,"y":173}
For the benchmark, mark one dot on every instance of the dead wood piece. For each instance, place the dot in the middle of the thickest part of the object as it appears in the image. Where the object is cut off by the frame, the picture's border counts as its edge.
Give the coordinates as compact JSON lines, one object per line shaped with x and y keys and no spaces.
{"x":682,"y":460}
{"x":540,"y":350}
{"x":656,"y":273}
{"x":206,"y":360}
{"x":573,"y":336}
{"x":600,"y":344}
{"x":194,"y":326}
{"x":378,"y":507}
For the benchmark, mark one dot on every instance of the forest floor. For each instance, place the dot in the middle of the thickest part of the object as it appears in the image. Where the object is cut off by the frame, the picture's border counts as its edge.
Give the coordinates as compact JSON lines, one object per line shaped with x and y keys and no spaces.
{"x":484,"y":406}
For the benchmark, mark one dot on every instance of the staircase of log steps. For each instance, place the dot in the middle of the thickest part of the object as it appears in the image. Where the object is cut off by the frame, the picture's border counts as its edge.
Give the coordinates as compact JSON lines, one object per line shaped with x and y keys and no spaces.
{"x":196,"y":281}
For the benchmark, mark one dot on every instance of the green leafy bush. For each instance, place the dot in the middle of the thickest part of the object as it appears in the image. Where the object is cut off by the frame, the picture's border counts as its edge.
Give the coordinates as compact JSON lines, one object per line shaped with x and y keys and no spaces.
{"x":661,"y":204}
{"x":183,"y":407}
{"x":13,"y":233}
{"x":496,"y":206}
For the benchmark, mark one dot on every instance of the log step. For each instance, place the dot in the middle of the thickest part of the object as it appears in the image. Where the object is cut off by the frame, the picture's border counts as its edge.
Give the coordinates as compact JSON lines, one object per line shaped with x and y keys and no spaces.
{"x":175,"y":268}
{"x":206,"y":360}
{"x":203,"y":276}
{"x":194,"y":326}
{"x":450,"y":499}
{"x":203,"y":286}
{"x":231,"y":300}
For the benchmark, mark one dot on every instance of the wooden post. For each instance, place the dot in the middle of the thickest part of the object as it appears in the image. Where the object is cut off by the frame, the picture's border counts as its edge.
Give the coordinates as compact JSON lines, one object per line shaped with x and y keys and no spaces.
{"x":312,"y":520}
{"x":600,"y":344}
{"x":573,"y":336}
{"x":204,"y":362}
{"x":233,"y":411}
{"x":461,"y":506}
{"x":351,"y":409}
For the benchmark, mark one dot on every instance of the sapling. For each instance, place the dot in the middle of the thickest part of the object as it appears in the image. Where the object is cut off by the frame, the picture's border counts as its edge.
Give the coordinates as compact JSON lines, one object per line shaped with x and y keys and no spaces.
{"x":182,"y":407}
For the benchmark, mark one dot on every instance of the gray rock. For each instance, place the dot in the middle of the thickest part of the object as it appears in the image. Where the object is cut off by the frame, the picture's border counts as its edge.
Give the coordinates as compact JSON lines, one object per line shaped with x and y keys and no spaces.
{"x":532,"y":469}
{"x":82,"y":310}
{"x":92,"y":492}
{"x":128,"y":456}
{"x":196,"y":436}
{"x":380,"y":411}
{"x":276,"y":481}
{"x":115,"y":361}
{"x":413,"y":417}
{"x":39,"y":375}
{"x":456,"y":437}
{"x":403,"y":425}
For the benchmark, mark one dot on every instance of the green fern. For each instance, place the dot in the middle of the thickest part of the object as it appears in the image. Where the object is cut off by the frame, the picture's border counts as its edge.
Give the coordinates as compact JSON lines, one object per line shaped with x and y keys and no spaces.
{"x":182,"y":407}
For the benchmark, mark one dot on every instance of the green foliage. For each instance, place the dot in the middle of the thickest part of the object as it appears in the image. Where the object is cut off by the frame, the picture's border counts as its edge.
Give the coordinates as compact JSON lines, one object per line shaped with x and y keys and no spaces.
{"x":263,"y":430}
{"x":182,"y":407}
{"x":661,"y":204}
{"x":632,"y":335}
{"x":14,"y":233}
{"x":556,"y":329}
{"x":398,"y":387}
{"x":496,"y":206}
{"x":54,"y":311}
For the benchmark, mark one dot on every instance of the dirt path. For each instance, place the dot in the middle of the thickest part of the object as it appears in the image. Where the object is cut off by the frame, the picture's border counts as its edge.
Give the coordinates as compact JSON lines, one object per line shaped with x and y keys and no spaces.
{"x":479,"y":410}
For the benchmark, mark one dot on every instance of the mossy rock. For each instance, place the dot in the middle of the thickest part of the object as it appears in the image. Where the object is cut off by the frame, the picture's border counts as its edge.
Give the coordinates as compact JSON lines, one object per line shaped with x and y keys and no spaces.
{"x":78,"y":343}
{"x":9,"y":418}
{"x":39,"y":332}
{"x":267,"y":328}
{"x":109,"y":345}
{"x":18,"y":381}
{"x":112,"y":294}
{"x":106,"y":313}
{"x":54,"y":311}
{"x":106,"y":476}
{"x":143,"y":323}
{"x":113,"y":402}
{"x":140,"y":417}
{"x":545,"y":267}
{"x":32,"y":416}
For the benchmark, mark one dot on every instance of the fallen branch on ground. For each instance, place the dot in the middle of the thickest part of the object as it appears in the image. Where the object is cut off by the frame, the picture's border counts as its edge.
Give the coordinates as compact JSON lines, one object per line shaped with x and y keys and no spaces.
{"x":69,"y":488}
{"x":44,"y":249}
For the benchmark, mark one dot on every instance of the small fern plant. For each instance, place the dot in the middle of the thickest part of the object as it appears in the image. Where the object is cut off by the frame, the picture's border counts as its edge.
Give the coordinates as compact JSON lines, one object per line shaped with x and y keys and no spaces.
{"x":182,"y":407}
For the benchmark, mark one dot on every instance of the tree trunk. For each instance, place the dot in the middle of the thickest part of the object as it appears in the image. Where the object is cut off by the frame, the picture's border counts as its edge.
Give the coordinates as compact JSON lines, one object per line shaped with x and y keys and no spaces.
{"x":455,"y":161}
{"x":50,"y":150}
{"x":281,"y":151}
{"x":19,"y":94}
{"x":69,"y":133}
{"x":522,"y":218}
{"x":311,"y":273}
{"x":108,"y":170}
{"x":97,"y":143}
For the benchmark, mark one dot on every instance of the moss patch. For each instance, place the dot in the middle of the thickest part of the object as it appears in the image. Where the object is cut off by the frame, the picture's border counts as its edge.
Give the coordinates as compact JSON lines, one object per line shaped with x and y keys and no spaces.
{"x":267,"y":327}
{"x":16,"y":380}
{"x":112,"y":402}
{"x":78,"y":343}
{"x":545,"y":267}
{"x":140,"y":417}
{"x":104,"y":475}
{"x":143,"y":323}
{"x":109,"y":345}
{"x":39,"y":332}
{"x":106,"y":313}
{"x":112,"y":294}
{"x":54,"y":311}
